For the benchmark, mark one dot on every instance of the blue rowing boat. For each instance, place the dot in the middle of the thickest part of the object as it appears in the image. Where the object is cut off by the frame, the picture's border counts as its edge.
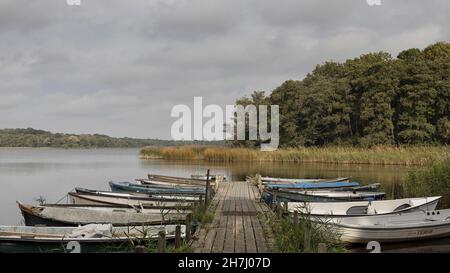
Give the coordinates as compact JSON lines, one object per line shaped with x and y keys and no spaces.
{"x":132,"y":187}
{"x":269,"y":180}
{"x":274,"y":196}
{"x":310,"y":186}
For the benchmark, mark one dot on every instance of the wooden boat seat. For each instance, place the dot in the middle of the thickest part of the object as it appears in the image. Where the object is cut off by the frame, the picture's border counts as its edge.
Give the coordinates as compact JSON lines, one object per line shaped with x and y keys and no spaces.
{"x":402,"y":207}
{"x":119,"y":210}
{"x":356,"y":210}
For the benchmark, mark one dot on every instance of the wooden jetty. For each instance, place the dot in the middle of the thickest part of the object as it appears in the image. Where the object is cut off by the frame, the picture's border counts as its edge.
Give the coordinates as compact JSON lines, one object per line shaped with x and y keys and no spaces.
{"x":238,"y":225}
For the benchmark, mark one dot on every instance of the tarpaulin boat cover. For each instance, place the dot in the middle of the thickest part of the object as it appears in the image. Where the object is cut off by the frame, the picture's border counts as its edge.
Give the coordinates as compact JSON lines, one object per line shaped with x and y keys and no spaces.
{"x":92,"y":231}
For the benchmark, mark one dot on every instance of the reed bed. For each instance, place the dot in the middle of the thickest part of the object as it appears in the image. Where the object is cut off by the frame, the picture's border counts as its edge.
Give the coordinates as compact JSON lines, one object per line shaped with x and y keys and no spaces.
{"x":432,"y":181}
{"x":381,"y":155}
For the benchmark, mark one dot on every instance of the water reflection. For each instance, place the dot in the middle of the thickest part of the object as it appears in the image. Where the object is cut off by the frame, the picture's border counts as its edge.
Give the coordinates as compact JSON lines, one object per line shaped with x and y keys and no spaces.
{"x":428,"y":246}
{"x":26,"y":174}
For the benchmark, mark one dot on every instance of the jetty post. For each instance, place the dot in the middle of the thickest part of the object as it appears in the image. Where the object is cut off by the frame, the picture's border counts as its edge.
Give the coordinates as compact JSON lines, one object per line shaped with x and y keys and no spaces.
{"x":207,"y":196}
{"x":162,"y":241}
{"x":177,"y":237}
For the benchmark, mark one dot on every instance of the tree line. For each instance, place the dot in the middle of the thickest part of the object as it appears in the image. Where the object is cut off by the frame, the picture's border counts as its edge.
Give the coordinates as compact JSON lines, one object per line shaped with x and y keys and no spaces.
{"x":39,"y":138}
{"x":374,"y":99}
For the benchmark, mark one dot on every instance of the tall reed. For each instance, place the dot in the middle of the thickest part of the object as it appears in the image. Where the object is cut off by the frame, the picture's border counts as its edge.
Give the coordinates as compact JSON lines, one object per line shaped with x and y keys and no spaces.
{"x":433,"y":181}
{"x":381,"y":155}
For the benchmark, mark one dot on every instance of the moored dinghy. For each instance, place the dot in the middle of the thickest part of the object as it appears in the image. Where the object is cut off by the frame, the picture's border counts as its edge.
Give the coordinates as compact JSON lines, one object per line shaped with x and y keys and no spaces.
{"x":92,"y":238}
{"x":134,"y":201}
{"x":212,"y":177}
{"x":92,"y":233}
{"x":271,"y":196}
{"x":312,"y":186}
{"x":266,"y":179}
{"x":418,"y":225}
{"x":154,"y":183}
{"x":131,"y":187}
{"x":74,"y":215}
{"x":365,"y":208}
{"x":177,"y":198}
{"x":178,"y":180}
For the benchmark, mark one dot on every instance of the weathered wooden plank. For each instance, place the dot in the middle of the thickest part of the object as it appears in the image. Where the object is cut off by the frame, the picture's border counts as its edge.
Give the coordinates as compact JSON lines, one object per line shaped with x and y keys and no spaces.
{"x":235,"y":227}
{"x":240,"y":232}
{"x":230,"y":236}
{"x":209,"y":240}
{"x":261,"y":243}
{"x":250,"y":240}
{"x":219,"y":241}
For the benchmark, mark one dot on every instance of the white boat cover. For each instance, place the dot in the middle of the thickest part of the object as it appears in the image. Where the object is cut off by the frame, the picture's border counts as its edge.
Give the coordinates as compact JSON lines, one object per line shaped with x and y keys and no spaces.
{"x":92,"y":231}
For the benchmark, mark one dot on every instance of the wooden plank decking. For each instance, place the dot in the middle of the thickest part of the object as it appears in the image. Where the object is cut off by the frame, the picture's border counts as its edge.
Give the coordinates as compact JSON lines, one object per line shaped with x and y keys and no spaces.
{"x":238,"y":225}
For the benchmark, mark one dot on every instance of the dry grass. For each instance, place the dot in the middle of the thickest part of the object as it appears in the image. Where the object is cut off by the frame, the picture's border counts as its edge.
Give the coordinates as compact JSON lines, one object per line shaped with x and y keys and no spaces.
{"x":382,"y":155}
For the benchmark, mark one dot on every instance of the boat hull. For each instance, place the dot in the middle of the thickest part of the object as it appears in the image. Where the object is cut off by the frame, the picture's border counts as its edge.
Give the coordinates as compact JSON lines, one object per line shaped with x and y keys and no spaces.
{"x":179,"y":180}
{"x":26,"y":239}
{"x":365,"y":208}
{"x":86,"y":199}
{"x":401,"y":227}
{"x":281,"y":196}
{"x":362,"y":236}
{"x":134,"y":195}
{"x":311,"y":186}
{"x":129,"y":187}
{"x":68,"y":215}
{"x":300,"y":180}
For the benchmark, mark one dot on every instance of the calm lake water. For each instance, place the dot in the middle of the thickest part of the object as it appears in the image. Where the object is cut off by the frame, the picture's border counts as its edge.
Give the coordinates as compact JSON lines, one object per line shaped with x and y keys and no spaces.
{"x":26,"y":174}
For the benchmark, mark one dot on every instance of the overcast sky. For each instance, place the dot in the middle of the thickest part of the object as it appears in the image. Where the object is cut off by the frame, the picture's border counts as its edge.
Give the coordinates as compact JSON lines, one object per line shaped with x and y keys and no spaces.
{"x":118,"y":67}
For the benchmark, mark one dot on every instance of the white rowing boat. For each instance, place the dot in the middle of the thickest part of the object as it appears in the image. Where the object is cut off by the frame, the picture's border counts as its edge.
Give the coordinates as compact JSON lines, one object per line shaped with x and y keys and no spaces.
{"x":93,"y":233}
{"x":176,"y":198}
{"x":418,"y":225}
{"x":164,"y":184}
{"x":131,"y":201}
{"x":266,"y":179}
{"x":74,"y":215}
{"x":368,"y":208}
{"x":272,"y":196}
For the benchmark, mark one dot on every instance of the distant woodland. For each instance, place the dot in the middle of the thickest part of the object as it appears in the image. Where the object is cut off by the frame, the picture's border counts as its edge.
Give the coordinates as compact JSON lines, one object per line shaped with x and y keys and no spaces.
{"x":371,"y":100}
{"x":39,"y":138}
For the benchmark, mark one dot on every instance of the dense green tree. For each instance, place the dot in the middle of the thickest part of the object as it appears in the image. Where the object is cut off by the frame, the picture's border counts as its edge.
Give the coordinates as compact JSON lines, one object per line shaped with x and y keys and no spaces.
{"x":256,"y":98}
{"x":370,"y":100}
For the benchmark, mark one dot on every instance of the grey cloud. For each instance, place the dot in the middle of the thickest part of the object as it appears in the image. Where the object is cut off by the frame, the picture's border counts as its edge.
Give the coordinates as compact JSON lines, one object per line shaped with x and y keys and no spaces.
{"x":118,"y":67}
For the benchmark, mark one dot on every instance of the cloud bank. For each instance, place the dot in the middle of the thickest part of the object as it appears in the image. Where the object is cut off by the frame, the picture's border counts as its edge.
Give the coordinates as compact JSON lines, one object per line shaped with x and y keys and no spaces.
{"x":118,"y":67}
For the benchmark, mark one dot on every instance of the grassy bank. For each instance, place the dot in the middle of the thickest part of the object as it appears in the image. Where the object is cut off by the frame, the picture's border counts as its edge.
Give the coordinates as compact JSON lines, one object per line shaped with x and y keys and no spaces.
{"x":382,"y":155}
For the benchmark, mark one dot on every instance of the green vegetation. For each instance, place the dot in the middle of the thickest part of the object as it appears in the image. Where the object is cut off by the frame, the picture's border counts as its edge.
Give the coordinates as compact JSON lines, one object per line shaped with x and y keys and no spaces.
{"x":367,"y":101}
{"x":39,"y":138}
{"x":152,"y":247}
{"x":202,"y":216}
{"x":382,"y":155}
{"x":290,"y":234}
{"x":433,"y":181}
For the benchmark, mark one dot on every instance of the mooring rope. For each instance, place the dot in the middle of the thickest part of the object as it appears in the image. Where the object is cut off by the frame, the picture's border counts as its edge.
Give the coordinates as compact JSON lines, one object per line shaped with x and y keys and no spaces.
{"x":66,"y":196}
